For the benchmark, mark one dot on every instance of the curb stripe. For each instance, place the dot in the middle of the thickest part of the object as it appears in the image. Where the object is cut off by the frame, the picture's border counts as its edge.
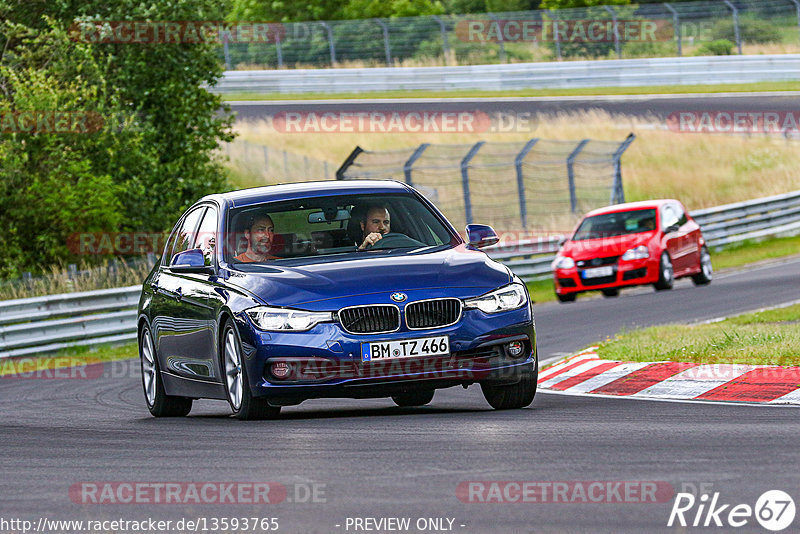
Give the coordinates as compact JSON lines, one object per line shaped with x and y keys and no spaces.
{"x":643,"y":378}
{"x":586,"y":375}
{"x":759,"y":385}
{"x":609,"y":376}
{"x":571,"y":365}
{"x":563,"y":363}
{"x":695,"y":381}
{"x":584,"y":366}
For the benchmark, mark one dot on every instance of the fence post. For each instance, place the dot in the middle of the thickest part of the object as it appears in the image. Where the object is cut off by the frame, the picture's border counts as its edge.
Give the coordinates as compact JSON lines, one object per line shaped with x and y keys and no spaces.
{"x":736,"y":33}
{"x":331,"y":46}
{"x":278,"y":48}
{"x":556,"y":36}
{"x":410,"y":162}
{"x":266,"y":158}
{"x":573,"y":199}
{"x":676,"y":21}
{"x":523,"y":209}
{"x":305,"y":167}
{"x":465,"y":179}
{"x":445,"y":44}
{"x":348,"y":162}
{"x":617,"y":192}
{"x":797,"y":7}
{"x":226,"y":52}
{"x":386,"y":47}
{"x":499,"y":38}
{"x":616,"y":30}
{"x":285,"y":164}
{"x":325,"y":167}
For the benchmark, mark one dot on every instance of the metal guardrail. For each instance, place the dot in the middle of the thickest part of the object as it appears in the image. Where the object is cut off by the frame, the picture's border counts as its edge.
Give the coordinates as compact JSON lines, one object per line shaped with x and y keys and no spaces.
{"x":567,"y":74}
{"x":54,"y":322}
{"x":773,"y":216}
{"x":46,"y":324}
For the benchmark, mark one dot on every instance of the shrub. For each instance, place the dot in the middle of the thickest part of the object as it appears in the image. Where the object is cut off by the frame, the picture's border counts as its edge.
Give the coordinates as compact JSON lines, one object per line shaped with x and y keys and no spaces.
{"x":720,"y":47}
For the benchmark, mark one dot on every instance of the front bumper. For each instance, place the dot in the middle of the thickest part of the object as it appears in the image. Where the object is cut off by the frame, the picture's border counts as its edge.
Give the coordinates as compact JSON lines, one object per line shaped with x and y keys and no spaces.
{"x":477,"y":354}
{"x":627,"y":273}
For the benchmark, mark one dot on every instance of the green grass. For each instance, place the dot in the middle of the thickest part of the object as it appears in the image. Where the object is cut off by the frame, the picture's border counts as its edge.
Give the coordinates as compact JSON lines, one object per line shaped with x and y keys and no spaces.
{"x":73,"y":357}
{"x":769,"y":337}
{"x":734,"y":256}
{"x":592,"y":91}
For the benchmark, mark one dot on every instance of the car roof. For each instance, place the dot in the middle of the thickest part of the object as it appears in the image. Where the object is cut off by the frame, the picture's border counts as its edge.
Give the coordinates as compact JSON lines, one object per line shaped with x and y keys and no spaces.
{"x":641,"y":205}
{"x":256,"y":195}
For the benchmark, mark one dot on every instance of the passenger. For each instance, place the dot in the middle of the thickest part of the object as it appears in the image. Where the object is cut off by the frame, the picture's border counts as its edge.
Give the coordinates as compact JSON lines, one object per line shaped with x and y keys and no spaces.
{"x":374,"y":225}
{"x":259,"y":236}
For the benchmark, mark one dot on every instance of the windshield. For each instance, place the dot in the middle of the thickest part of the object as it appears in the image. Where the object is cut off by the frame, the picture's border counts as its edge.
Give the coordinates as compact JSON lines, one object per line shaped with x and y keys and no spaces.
{"x":325,"y":226}
{"x":613,"y":224}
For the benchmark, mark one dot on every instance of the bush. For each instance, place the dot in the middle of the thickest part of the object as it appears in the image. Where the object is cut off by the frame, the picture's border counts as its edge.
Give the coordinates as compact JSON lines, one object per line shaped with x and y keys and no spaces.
{"x":750,"y":30}
{"x":720,"y":47}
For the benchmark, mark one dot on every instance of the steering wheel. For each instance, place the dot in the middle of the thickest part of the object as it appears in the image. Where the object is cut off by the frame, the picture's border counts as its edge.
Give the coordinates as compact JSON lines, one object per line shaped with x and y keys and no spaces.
{"x":396,"y":240}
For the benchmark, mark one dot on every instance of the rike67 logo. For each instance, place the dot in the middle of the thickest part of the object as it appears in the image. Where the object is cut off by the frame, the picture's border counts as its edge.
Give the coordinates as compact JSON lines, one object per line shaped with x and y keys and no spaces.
{"x":774,"y":510}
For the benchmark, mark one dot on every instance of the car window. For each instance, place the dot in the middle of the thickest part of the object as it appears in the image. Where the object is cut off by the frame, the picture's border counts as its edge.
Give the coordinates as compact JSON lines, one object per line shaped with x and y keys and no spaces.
{"x":668,"y":216}
{"x":333,"y":225}
{"x":682,"y":219}
{"x":184,"y":239}
{"x":613,"y":224}
{"x":206,"y":237}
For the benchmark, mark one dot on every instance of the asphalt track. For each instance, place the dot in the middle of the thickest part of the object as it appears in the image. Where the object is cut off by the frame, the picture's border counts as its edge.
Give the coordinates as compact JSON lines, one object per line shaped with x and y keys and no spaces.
{"x":658,"y":106}
{"x":375,"y":460}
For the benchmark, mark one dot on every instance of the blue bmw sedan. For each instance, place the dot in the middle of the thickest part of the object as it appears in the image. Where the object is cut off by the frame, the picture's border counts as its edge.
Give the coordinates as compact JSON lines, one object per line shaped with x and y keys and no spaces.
{"x":269,"y":296}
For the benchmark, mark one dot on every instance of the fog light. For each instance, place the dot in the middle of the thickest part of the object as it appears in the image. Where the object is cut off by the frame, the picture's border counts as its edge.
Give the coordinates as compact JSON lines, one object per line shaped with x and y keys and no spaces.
{"x":515,"y":348}
{"x":280,"y":369}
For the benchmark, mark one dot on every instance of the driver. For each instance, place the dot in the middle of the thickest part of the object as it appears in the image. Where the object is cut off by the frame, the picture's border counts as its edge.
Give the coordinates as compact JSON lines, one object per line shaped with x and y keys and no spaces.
{"x":259,"y":235}
{"x":374,"y":225}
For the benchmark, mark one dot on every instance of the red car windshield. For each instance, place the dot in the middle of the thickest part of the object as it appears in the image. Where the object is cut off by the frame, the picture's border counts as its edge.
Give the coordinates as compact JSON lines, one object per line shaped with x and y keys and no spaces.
{"x":614,"y":224}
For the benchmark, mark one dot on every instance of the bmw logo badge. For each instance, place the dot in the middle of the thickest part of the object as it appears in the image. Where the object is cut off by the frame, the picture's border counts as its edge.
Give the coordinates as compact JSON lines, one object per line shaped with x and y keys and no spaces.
{"x":399,"y":297}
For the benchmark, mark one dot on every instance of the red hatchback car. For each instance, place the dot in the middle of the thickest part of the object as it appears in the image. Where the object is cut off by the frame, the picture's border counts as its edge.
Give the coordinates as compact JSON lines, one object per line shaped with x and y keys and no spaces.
{"x":651,"y":242}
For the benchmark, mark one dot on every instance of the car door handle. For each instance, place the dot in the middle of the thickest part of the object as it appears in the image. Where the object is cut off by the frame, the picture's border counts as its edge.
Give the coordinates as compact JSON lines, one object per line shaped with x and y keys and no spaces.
{"x":178,"y":294}
{"x":154,"y":286}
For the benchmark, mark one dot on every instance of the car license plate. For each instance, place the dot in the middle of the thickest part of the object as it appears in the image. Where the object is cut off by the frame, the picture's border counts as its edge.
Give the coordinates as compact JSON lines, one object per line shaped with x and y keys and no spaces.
{"x":598,"y":272}
{"x":405,"y":348}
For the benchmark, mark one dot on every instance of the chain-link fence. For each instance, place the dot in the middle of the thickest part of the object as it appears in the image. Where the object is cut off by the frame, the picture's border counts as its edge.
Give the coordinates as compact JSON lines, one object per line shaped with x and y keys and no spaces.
{"x":649,"y":30}
{"x":267,"y":165}
{"x":537,"y":184}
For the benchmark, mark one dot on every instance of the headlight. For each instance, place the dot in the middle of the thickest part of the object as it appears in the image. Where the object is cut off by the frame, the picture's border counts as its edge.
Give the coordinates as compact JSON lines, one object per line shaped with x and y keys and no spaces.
{"x":563,"y":262}
{"x":637,"y":253}
{"x":274,"y":319}
{"x":506,"y":298}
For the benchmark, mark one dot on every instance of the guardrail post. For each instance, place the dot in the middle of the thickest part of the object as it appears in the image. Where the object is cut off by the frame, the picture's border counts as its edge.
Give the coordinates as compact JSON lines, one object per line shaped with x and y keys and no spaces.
{"x":325,"y":167}
{"x":348,"y":162}
{"x":523,"y":209}
{"x":386,"y":47}
{"x":556,"y":36}
{"x":445,"y":44}
{"x":736,"y":33}
{"x":226,"y":52}
{"x":410,"y":162}
{"x":266,"y":158}
{"x":618,"y":193}
{"x":279,"y":49}
{"x":500,"y":40}
{"x":797,"y":7}
{"x":616,"y":30}
{"x":573,"y":200}
{"x":285,"y":164}
{"x":676,"y":21}
{"x":331,"y":46}
{"x":465,"y":179}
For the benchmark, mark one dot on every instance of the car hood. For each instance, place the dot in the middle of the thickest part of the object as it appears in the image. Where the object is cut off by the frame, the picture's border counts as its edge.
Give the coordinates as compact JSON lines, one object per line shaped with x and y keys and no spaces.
{"x":602,"y":248}
{"x":336,"y":282}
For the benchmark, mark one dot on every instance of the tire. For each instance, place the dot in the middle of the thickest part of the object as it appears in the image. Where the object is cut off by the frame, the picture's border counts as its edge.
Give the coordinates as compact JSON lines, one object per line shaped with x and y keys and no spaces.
{"x":414,"y":398}
{"x":610,"y":292}
{"x":514,"y":396}
{"x":706,"y":270}
{"x":237,"y":385}
{"x":666,"y":274}
{"x":158,"y":402}
{"x":569,"y":297}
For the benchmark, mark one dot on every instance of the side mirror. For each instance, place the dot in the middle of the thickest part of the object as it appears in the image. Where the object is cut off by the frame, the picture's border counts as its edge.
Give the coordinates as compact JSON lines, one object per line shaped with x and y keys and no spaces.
{"x":190,"y":261}
{"x":480,"y":236}
{"x":561,"y":241}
